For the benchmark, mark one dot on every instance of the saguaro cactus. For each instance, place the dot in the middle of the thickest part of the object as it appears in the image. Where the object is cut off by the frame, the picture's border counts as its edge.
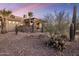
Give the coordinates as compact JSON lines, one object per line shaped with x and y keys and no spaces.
{"x":74,"y":21}
{"x":72,"y":32}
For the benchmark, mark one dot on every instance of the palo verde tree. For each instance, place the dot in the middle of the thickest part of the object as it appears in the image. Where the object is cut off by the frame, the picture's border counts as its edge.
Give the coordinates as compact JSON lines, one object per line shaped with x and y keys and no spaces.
{"x":61,"y":21}
{"x":57,"y":23}
{"x":50,"y":24}
{"x":57,"y":27}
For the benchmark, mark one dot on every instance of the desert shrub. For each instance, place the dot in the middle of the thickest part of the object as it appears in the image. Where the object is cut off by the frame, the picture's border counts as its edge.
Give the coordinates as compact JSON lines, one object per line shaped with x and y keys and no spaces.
{"x":23,"y":28}
{"x":58,"y":28}
{"x":57,"y":42}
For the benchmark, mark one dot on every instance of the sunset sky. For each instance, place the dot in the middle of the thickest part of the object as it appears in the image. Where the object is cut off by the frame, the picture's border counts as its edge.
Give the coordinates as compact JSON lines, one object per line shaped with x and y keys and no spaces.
{"x":38,"y":9}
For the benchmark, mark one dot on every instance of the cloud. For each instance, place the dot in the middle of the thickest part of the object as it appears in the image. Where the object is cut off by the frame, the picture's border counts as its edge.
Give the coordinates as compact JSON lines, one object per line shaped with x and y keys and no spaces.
{"x":30,"y":7}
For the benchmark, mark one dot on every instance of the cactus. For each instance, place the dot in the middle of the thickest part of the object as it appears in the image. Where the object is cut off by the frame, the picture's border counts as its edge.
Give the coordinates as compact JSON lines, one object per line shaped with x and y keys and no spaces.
{"x":57,"y":42}
{"x":74,"y":21}
{"x":72,"y":32}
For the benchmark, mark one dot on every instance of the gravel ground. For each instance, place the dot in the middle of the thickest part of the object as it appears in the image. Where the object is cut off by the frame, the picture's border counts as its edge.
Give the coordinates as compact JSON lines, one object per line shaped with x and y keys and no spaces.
{"x":32,"y":44}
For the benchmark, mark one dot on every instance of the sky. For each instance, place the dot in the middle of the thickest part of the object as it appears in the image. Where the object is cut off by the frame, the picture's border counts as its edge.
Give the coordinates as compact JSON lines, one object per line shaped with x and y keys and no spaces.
{"x":39,"y":9}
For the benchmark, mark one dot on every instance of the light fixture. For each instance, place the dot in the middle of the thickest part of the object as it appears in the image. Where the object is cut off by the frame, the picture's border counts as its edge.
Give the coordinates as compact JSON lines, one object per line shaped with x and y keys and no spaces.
{"x":16,"y":22}
{"x":13,"y":22}
{"x":9,"y":21}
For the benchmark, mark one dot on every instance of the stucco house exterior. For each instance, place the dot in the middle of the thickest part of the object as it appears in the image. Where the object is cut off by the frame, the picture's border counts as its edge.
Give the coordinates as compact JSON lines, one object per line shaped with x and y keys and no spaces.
{"x":11,"y":22}
{"x":26,"y":23}
{"x":33,"y":22}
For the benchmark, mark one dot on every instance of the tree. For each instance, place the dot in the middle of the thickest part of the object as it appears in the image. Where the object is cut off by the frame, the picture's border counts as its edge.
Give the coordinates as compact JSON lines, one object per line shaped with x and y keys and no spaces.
{"x":30,"y":14}
{"x":49,"y":26}
{"x":31,"y":21}
{"x":62,"y":21}
{"x":5,"y":13}
{"x":57,"y":23}
{"x":57,"y":27}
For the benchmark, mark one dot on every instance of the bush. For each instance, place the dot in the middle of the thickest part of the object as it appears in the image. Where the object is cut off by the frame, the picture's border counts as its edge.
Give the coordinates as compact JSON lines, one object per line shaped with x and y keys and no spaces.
{"x":57,"y":41}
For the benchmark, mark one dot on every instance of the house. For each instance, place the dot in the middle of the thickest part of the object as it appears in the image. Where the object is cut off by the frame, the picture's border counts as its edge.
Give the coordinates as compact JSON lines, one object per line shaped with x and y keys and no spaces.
{"x":33,"y":22}
{"x":11,"y":22}
{"x":30,"y":23}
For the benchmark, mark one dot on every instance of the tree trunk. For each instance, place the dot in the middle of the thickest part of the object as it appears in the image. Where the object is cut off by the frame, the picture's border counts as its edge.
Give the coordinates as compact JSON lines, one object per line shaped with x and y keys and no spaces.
{"x":3,"y":26}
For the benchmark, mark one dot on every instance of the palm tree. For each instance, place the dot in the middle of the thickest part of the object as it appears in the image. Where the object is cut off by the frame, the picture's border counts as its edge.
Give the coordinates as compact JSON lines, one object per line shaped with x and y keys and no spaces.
{"x":30,"y":14}
{"x":5,"y":13}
